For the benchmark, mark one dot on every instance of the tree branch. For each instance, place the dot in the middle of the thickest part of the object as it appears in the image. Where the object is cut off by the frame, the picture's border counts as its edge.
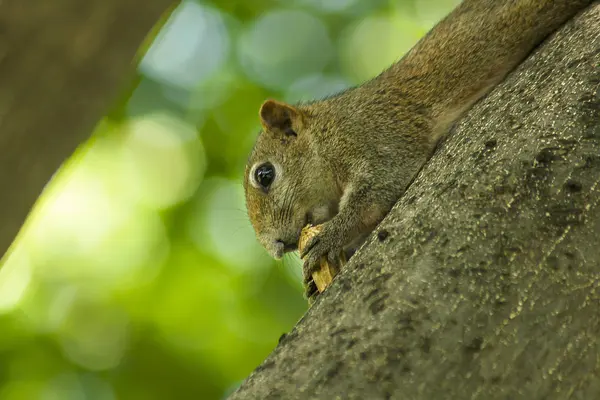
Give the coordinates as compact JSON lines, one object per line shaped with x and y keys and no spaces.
{"x":62,"y":63}
{"x":484,"y":280}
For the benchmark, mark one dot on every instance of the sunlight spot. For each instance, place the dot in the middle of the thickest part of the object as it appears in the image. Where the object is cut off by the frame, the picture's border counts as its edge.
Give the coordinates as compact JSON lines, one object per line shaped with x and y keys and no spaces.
{"x":86,"y":231}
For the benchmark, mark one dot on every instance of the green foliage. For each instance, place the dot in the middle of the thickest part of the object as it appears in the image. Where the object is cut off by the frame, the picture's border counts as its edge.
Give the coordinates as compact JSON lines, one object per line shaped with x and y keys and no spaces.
{"x":138,"y":275}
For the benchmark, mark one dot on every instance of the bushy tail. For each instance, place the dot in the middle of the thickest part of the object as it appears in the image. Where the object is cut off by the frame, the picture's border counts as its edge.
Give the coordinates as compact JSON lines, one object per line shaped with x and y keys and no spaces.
{"x":475,"y":47}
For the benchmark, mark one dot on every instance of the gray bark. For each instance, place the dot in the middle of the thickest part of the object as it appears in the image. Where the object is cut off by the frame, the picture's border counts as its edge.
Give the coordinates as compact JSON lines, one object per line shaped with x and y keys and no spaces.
{"x":62,"y":64}
{"x":484,"y":280}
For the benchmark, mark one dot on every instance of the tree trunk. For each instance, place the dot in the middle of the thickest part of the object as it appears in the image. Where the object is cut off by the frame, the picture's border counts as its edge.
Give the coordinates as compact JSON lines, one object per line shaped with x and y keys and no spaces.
{"x":62,"y":63}
{"x":484,"y":280}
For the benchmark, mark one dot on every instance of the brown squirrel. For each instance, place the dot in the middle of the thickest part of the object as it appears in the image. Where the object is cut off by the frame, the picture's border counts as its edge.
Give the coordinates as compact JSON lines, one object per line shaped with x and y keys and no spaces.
{"x":345,"y":160}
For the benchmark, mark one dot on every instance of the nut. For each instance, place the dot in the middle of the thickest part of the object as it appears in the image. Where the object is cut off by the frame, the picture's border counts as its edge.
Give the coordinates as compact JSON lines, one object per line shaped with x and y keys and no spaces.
{"x":327,"y":272}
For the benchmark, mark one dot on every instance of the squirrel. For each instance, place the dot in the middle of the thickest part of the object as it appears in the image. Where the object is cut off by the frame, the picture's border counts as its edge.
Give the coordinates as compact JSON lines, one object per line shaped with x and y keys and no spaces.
{"x":344,"y":161}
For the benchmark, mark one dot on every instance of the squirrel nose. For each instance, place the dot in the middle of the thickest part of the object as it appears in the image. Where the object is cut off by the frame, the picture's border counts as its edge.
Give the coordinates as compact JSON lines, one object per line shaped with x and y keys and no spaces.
{"x":278,"y":249}
{"x":285,"y":246}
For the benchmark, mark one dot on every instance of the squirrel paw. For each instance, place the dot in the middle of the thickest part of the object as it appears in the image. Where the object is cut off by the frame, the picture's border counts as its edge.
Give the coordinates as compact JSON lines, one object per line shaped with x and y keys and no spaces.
{"x":310,"y":291}
{"x":324,"y":244}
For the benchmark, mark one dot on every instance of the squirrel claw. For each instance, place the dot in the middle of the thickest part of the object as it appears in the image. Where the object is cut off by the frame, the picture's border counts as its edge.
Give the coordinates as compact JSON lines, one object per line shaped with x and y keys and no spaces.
{"x":310,"y":291}
{"x":325,"y":244}
{"x":311,"y":261}
{"x":308,"y":268}
{"x":311,"y":243}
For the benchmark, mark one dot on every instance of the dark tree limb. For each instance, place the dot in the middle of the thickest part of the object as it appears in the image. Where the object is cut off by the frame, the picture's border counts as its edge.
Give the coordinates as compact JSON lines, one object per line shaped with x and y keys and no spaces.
{"x":62,"y":64}
{"x":484,"y":280}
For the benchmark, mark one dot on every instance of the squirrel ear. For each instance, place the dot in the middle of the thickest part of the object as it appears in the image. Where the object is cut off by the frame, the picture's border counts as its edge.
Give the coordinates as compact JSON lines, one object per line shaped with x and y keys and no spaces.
{"x":275,"y":115}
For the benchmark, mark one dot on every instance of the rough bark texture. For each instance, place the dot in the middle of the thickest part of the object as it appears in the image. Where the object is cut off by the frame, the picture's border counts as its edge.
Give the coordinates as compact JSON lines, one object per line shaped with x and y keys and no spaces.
{"x":484,"y":281}
{"x":62,"y":63}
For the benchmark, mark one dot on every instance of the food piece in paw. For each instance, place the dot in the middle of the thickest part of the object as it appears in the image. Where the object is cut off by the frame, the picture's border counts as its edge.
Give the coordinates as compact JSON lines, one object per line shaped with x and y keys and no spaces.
{"x":325,"y":274}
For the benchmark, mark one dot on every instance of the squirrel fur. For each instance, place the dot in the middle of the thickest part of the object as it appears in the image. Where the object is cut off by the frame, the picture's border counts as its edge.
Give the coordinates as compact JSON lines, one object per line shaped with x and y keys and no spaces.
{"x":345,"y":160}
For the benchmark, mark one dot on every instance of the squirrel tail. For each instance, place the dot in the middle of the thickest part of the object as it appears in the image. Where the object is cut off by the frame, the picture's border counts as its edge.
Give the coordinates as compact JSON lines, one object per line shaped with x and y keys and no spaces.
{"x":474,"y":48}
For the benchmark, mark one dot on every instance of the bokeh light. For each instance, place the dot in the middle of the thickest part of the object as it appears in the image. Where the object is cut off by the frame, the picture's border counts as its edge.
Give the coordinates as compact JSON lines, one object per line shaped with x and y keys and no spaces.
{"x":162,"y":160}
{"x":221,"y":220}
{"x":284,"y":45}
{"x":15,"y":276}
{"x":374,"y":43}
{"x":191,"y":46}
{"x":315,"y":87}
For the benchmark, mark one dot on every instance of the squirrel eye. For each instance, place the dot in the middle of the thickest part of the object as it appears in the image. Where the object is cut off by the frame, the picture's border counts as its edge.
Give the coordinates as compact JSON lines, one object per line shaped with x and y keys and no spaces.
{"x":264,"y":175}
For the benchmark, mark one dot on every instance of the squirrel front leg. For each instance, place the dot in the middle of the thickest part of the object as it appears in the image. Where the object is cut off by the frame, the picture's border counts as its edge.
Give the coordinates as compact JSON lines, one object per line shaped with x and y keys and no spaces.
{"x":361,"y":208}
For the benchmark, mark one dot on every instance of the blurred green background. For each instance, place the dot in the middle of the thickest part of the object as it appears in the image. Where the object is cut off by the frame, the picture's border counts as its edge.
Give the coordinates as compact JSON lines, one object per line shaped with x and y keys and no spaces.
{"x":138,"y":276}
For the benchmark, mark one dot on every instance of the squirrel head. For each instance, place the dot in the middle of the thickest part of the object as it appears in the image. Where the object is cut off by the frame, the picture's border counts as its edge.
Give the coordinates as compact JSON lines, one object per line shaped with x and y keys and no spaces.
{"x":286,"y":184}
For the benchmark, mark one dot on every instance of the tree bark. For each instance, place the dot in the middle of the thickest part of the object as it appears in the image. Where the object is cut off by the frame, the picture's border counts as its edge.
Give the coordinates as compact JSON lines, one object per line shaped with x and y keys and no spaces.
{"x":62,"y":63}
{"x":484,"y":280}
